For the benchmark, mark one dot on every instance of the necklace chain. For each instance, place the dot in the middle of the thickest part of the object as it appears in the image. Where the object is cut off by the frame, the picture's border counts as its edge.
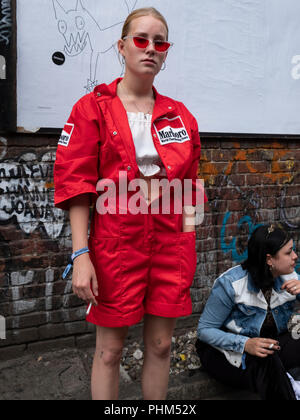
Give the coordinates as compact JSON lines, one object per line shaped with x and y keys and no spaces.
{"x":135,"y":104}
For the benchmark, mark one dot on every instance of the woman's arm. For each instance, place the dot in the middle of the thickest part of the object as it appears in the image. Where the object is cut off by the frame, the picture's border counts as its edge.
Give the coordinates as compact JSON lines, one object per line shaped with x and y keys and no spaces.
{"x":217,"y":310}
{"x":84,"y":278}
{"x":79,"y":218}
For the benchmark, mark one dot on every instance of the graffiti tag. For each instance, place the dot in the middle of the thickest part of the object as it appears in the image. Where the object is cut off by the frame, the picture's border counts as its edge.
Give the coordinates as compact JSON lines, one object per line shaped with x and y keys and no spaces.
{"x":5,"y":22}
{"x":25,"y":194}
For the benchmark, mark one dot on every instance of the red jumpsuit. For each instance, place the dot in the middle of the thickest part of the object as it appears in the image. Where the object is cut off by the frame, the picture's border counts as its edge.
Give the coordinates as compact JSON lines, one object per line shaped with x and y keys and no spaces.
{"x":144,"y":262}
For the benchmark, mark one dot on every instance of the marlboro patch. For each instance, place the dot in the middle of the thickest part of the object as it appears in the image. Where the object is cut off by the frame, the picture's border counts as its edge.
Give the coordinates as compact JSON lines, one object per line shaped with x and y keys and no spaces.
{"x":66,"y":135}
{"x":171,"y":131}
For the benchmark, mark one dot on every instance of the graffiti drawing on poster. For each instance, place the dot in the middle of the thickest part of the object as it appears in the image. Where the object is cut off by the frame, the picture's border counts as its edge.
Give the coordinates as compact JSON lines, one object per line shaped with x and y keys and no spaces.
{"x":81,"y":31}
{"x":26,"y":194}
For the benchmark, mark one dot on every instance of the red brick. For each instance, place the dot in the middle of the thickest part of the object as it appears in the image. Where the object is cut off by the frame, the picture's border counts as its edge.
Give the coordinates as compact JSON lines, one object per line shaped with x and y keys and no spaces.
{"x":245,"y":176}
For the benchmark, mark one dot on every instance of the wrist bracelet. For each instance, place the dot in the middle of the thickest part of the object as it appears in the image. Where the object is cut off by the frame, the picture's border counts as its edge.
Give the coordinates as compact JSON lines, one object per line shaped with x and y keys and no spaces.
{"x":72,"y":258}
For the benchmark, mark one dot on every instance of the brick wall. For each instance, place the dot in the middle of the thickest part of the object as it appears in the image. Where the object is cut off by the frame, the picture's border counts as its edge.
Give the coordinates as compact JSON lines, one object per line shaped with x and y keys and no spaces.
{"x":248,"y":182}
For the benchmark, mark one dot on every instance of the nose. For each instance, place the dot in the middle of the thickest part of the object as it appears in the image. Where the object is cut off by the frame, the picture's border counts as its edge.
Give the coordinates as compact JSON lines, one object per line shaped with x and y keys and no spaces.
{"x":295,"y":256}
{"x":150,"y":47}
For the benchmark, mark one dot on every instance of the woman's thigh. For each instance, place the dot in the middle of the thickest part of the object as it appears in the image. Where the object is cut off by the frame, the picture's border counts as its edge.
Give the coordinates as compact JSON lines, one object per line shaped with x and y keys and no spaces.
{"x":110,"y":338}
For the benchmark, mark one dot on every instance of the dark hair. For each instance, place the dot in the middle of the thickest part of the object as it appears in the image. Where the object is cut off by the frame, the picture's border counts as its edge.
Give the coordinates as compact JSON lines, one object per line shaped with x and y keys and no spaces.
{"x":264,"y":240}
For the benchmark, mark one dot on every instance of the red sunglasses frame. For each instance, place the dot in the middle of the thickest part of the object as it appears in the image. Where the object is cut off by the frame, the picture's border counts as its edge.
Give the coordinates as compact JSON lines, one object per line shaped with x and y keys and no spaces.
{"x":166,"y":45}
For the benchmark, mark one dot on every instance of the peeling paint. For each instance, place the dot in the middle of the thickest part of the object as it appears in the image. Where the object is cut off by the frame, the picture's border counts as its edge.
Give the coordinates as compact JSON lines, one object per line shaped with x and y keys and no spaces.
{"x":281,"y":170}
{"x":28,"y":130}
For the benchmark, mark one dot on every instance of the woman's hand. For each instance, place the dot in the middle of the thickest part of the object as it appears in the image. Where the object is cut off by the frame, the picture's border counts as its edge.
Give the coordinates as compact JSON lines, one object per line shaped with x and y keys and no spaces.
{"x":292,"y":287}
{"x":188,"y":219}
{"x":84,"y":279}
{"x":261,"y":347}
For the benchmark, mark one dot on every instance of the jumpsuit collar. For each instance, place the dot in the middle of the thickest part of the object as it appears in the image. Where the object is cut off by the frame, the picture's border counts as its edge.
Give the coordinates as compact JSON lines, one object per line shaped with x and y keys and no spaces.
{"x":163,"y":105}
{"x":107,"y":98}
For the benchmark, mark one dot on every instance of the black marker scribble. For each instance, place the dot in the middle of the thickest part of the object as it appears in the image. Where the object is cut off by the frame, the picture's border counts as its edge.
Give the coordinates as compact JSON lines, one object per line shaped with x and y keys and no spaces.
{"x":81,"y":31}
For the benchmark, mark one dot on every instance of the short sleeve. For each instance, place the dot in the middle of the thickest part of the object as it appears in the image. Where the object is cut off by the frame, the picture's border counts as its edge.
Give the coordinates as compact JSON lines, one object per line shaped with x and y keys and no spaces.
{"x":76,"y":168}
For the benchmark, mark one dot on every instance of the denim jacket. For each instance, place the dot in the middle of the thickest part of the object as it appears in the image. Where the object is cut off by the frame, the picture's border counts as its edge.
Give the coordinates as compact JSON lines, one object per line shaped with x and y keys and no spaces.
{"x":237,"y":309}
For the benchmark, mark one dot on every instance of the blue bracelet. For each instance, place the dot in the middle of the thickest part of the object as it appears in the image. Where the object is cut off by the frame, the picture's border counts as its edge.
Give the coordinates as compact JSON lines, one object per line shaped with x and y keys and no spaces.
{"x":72,"y":258}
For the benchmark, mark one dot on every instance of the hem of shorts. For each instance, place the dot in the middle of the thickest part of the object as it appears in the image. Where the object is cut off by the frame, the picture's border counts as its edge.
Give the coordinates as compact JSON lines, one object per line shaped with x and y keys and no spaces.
{"x":114,"y":321}
{"x":165,"y":310}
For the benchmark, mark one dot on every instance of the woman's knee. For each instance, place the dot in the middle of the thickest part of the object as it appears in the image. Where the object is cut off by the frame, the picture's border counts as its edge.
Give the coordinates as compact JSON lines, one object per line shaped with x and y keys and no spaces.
{"x":109,"y":346}
{"x":110,"y":356}
{"x":159,"y":347}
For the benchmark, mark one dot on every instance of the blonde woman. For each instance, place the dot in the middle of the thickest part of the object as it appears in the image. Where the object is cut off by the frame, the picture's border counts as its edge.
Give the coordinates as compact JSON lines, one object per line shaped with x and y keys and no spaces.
{"x":134,"y":265}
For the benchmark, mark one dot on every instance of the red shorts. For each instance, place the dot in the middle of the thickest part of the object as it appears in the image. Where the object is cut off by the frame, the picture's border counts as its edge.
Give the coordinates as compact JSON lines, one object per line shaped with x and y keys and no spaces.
{"x":145,"y":264}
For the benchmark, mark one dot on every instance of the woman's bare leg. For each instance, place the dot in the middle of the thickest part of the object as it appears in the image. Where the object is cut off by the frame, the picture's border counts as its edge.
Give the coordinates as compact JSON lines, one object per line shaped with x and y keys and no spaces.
{"x":158,"y":334}
{"x":106,"y":366}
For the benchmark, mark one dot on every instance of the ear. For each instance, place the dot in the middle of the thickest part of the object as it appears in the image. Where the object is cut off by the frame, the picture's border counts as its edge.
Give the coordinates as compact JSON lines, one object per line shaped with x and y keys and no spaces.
{"x":269,"y":260}
{"x":58,"y":10}
{"x":121,"y":47}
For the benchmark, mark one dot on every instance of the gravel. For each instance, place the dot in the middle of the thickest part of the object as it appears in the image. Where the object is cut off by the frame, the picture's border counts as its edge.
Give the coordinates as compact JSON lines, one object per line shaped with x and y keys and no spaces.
{"x":183,"y":356}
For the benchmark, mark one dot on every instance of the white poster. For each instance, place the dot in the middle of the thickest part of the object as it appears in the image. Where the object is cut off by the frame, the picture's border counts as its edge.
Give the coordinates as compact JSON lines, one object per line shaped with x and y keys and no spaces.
{"x":235,"y":63}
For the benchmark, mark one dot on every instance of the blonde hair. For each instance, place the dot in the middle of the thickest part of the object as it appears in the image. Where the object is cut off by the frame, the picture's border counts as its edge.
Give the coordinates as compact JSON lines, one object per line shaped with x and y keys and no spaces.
{"x":145,"y":11}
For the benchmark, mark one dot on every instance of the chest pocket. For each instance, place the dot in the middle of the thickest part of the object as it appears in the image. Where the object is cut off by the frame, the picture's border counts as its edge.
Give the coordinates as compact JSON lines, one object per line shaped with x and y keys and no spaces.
{"x":246,"y":310}
{"x":171,"y":130}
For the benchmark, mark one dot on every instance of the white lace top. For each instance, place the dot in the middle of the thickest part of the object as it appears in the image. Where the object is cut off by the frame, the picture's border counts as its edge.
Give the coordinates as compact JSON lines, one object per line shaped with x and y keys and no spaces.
{"x":148,"y":160}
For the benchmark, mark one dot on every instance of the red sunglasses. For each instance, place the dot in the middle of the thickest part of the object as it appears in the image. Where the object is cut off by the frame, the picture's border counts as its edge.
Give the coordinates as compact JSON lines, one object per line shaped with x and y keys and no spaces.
{"x":160,"y":46}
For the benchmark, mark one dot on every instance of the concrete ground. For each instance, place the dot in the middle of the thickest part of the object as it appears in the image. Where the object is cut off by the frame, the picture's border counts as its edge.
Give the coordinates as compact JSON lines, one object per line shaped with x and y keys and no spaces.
{"x":65,"y":375}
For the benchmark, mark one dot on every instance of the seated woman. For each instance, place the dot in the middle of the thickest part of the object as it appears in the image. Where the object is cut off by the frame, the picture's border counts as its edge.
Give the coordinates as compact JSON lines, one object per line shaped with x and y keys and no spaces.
{"x":243,"y":337}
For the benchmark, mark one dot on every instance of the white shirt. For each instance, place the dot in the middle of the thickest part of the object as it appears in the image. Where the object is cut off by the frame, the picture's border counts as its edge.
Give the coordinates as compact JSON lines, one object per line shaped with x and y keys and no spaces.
{"x":295,"y":385}
{"x":147,"y":158}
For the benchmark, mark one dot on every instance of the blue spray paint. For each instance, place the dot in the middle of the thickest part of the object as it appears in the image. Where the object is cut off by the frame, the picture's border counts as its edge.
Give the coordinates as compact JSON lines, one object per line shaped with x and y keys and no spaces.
{"x":232,"y":245}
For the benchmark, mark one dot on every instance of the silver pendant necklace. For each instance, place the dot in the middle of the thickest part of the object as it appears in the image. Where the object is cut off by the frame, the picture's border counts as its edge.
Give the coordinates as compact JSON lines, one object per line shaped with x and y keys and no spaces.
{"x":135,"y":104}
